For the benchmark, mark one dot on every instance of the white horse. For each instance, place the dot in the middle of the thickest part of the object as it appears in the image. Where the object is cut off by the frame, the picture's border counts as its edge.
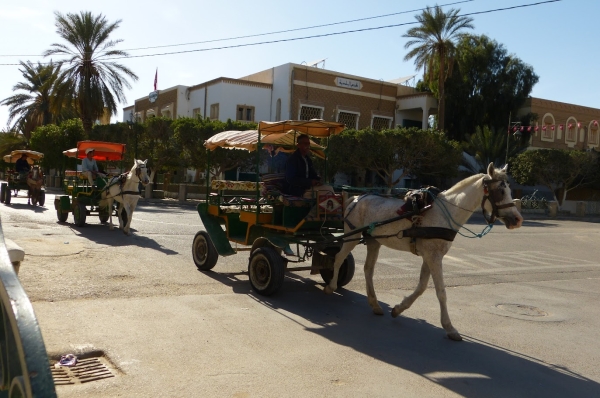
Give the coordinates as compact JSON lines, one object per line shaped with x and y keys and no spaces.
{"x":451,"y":209}
{"x":124,"y":189}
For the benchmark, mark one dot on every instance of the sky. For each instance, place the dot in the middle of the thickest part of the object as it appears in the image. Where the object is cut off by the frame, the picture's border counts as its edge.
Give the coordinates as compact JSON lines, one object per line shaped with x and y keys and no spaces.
{"x":558,"y":39}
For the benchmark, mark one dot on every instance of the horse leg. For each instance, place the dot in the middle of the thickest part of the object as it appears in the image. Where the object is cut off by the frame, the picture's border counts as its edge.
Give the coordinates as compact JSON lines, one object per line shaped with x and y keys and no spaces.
{"x":339,"y":259}
{"x":129,"y":209}
{"x":435,"y":266}
{"x":109,"y":206}
{"x":373,"y":247}
{"x":29,"y":196}
{"x":408,"y":301}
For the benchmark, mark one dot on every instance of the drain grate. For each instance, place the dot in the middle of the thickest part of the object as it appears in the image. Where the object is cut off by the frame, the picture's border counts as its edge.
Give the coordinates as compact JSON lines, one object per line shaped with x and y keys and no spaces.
{"x":89,"y":369}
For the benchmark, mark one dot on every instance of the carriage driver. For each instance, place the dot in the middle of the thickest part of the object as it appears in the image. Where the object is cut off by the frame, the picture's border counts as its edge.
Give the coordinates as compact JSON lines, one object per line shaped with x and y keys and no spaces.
{"x":22,"y":166}
{"x":300,"y":175}
{"x":89,"y":168}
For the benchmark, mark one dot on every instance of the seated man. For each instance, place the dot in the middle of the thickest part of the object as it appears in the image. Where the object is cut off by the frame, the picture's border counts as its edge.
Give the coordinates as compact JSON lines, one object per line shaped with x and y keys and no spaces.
{"x":22,"y":167}
{"x":89,"y":168}
{"x":300,"y":175}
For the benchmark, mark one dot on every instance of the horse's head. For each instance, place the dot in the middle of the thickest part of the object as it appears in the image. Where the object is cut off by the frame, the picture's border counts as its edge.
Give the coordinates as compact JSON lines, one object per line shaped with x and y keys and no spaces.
{"x":35,"y":172}
{"x":141,"y":171}
{"x":497,"y":200}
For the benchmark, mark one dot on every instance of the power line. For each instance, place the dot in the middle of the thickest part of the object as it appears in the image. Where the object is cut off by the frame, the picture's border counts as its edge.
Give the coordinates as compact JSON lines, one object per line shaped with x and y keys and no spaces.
{"x":316,"y":36}
{"x":270,"y":33}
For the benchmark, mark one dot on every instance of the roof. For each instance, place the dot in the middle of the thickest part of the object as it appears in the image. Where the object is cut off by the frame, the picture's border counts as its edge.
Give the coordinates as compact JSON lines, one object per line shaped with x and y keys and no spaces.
{"x":313,"y":127}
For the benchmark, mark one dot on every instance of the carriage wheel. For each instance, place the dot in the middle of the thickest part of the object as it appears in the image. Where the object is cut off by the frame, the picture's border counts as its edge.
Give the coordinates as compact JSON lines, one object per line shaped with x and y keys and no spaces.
{"x":2,"y":191}
{"x":266,"y":270}
{"x":346,"y":270}
{"x":42,"y":198}
{"x":79,"y":213}
{"x":103,"y":217}
{"x":203,"y":251}
{"x":61,"y":215}
{"x":7,"y":196}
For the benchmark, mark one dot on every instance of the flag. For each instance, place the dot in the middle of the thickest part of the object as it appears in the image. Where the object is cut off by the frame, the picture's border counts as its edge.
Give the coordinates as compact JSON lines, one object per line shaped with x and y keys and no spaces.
{"x":155,"y":79}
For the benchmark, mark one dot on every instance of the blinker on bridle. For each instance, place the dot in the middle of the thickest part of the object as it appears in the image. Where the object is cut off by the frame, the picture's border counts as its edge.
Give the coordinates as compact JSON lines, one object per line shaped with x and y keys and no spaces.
{"x":494,"y":196}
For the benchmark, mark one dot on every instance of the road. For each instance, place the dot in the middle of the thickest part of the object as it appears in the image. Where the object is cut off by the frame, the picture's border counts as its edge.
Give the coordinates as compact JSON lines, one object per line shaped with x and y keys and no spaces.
{"x":525,"y":301}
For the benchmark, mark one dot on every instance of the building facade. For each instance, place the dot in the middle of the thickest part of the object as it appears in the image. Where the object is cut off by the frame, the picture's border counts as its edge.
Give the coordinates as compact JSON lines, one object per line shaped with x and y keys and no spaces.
{"x":292,"y":91}
{"x":558,"y":125}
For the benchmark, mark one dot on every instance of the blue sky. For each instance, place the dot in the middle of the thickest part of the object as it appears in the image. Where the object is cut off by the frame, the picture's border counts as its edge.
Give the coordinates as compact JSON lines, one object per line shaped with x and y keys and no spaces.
{"x":560,"y":39}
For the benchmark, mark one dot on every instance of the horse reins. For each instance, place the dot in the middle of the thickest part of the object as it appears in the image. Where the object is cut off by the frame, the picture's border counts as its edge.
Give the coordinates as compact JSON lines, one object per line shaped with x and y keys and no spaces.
{"x":138,"y":171}
{"x":493,"y":196}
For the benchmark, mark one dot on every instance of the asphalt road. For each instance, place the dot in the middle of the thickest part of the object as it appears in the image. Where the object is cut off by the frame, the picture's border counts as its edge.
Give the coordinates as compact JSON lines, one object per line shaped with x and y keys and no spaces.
{"x":525,"y":301}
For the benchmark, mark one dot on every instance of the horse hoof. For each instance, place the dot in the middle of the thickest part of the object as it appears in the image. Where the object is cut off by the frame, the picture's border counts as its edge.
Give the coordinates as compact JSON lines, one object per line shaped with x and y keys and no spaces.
{"x":454,"y":336}
{"x":377,"y":311}
{"x":328,"y":290}
{"x":395,"y":312}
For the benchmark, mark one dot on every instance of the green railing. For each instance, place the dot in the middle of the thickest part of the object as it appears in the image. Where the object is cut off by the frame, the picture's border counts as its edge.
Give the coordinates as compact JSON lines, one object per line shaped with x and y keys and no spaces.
{"x":24,"y":365}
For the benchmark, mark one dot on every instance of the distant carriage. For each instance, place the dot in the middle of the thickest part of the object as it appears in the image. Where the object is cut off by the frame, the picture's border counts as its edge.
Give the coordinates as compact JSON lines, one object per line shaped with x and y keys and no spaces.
{"x":32,"y":181}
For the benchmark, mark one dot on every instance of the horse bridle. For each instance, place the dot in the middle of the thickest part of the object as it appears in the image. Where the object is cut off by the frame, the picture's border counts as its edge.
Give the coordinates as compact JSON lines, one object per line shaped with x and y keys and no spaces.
{"x":494,"y":196}
{"x":138,"y":171}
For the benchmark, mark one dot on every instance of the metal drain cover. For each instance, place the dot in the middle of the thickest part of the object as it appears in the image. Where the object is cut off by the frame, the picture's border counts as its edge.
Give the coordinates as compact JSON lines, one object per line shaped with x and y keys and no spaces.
{"x":86,"y":370}
{"x":521,"y":309}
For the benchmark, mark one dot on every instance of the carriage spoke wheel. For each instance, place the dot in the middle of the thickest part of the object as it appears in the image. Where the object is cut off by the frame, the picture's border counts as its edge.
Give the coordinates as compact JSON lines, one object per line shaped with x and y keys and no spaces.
{"x":2,"y":192}
{"x":266,"y":271}
{"x":7,"y":196}
{"x":346,"y":272}
{"x":203,"y":251}
{"x":79,"y":213}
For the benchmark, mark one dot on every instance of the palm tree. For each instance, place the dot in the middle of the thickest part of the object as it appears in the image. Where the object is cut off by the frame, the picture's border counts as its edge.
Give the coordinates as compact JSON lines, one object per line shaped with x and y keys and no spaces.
{"x":434,"y":43}
{"x":89,"y":75}
{"x":36,"y":104}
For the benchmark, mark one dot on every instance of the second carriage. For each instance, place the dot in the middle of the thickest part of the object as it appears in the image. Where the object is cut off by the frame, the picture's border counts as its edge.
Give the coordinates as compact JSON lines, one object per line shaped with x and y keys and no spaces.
{"x":80,"y":197}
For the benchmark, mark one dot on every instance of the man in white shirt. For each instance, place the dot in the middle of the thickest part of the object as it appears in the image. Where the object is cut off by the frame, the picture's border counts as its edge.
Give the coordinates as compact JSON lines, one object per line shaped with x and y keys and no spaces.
{"x":89,"y":168}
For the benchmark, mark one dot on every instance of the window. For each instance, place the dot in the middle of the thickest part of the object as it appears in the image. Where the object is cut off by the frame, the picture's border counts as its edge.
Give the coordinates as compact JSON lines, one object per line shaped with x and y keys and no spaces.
{"x":381,"y":123}
{"x":593,"y":140}
{"x":571,"y":133}
{"x":547,"y":131}
{"x":310,"y":112}
{"x":278,"y":110}
{"x":150,"y":113}
{"x":196,"y":113}
{"x":245,"y":113}
{"x":214,"y":112}
{"x":349,"y":119}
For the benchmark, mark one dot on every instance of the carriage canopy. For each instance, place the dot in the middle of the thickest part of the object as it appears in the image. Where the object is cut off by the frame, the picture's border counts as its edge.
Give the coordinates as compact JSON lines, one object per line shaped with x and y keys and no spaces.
{"x":278,"y":136}
{"x":103,"y":150}
{"x":32,"y":156}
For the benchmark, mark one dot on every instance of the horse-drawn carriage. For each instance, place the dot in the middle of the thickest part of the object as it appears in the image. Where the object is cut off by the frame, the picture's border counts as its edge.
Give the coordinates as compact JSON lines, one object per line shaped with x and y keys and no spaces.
{"x":424,"y":222}
{"x":279,"y":229}
{"x":32,"y":180}
{"x":83,"y":199}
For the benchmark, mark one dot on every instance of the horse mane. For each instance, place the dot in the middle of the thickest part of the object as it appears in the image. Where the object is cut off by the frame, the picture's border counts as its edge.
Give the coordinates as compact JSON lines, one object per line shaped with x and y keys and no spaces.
{"x":499,"y":174}
{"x":460,"y":186}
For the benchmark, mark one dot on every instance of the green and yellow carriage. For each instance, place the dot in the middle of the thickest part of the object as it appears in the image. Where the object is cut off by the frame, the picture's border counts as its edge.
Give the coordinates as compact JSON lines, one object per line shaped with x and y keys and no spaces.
{"x":276,"y":229}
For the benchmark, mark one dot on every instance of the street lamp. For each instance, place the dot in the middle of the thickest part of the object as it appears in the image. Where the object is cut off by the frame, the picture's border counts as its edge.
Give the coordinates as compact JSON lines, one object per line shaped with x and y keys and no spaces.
{"x":130,"y":123}
{"x":516,"y":127}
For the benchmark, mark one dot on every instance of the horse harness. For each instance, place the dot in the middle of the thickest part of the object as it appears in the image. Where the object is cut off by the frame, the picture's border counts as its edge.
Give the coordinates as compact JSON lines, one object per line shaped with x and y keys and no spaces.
{"x":493,"y":196}
{"x":419,"y":201}
{"x":121,"y":181}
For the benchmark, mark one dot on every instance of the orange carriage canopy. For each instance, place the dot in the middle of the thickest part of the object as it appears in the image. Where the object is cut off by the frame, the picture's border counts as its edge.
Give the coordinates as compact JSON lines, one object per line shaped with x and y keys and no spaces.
{"x":103,"y":150}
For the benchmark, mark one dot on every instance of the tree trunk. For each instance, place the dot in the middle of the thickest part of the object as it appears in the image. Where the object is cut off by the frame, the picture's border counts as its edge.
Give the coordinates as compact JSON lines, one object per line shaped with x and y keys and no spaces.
{"x":442,"y":92}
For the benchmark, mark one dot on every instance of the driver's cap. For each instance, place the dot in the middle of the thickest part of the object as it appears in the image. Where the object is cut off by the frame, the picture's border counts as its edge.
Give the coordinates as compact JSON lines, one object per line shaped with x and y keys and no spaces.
{"x":89,"y":150}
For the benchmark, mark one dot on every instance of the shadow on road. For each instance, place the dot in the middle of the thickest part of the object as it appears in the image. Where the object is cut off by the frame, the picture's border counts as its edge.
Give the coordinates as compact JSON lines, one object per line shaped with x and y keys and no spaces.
{"x":25,"y":206}
{"x":99,"y":233}
{"x":472,"y":368}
